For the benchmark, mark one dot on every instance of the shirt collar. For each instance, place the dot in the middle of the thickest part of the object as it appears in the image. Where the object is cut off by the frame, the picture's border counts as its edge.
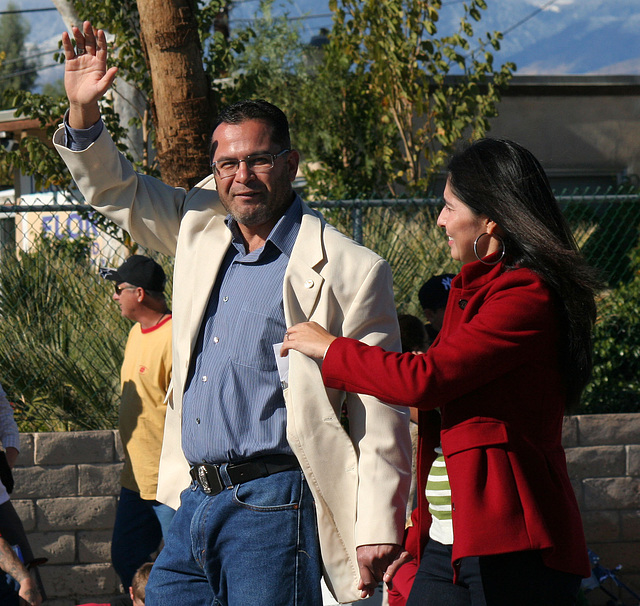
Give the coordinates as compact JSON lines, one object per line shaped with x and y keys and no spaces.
{"x":284,"y":233}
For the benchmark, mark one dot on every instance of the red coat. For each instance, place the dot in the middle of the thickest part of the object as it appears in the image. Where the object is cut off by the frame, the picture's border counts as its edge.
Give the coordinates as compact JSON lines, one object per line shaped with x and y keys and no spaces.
{"x":495,"y":373}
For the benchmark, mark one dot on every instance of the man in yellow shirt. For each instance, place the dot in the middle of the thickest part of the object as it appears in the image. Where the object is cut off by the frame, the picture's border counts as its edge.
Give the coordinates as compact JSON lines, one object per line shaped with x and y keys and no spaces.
{"x":141,"y":521}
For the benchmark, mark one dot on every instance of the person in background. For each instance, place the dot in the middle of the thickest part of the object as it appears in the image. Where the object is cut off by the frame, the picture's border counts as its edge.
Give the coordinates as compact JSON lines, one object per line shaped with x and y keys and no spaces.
{"x":141,"y":521}
{"x":20,"y":586}
{"x":11,"y":528}
{"x":137,"y":591}
{"x":280,"y":493}
{"x":413,"y":334}
{"x":433,"y":297}
{"x":513,"y":355}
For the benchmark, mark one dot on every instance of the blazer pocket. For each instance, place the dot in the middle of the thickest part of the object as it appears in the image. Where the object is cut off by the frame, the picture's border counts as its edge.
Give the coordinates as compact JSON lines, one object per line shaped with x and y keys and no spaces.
{"x":474,"y":434}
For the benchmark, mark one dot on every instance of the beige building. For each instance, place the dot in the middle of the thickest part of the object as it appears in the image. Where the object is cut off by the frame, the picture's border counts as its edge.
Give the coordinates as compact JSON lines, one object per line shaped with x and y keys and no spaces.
{"x":584,"y":129}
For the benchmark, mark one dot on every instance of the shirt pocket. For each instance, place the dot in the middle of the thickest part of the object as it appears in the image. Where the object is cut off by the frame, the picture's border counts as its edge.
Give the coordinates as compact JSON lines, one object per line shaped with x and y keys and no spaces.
{"x":254,"y":334}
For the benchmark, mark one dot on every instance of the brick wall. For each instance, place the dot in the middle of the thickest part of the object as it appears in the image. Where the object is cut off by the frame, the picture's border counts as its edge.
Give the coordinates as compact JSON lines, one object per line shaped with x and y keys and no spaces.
{"x":66,"y":494}
{"x":603,"y":457}
{"x":67,"y":486}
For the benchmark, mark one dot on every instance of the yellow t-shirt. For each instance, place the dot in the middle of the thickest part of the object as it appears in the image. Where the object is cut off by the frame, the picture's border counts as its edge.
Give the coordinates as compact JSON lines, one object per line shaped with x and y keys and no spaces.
{"x":145,"y":378}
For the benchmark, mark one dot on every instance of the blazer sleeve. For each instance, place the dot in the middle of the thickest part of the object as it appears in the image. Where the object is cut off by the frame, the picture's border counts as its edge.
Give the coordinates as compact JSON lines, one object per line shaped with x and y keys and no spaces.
{"x":379,"y":432}
{"x":513,"y":325}
{"x":149,"y":210}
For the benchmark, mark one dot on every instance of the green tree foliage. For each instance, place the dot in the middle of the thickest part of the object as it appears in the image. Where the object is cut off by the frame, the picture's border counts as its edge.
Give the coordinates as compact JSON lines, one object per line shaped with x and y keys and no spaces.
{"x":17,"y":72}
{"x":375,"y":113}
{"x":407,"y":95}
{"x":265,"y":60}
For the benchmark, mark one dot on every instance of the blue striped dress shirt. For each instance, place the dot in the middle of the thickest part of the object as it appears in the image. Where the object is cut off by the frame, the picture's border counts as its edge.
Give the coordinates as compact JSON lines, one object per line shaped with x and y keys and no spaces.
{"x":233,"y":406}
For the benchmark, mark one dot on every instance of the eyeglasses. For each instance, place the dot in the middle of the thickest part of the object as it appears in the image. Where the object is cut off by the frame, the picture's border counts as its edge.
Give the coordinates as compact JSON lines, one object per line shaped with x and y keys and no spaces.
{"x":119,"y":289}
{"x":256,"y":163}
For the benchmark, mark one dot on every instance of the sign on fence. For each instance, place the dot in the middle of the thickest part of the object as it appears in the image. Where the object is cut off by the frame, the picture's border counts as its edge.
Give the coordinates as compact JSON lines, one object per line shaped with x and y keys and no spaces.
{"x":50,"y":214}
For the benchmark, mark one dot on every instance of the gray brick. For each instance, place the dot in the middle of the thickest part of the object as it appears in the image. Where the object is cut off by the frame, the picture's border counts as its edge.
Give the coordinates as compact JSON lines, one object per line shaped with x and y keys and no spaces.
{"x":596,"y":461}
{"x":570,"y":432}
{"x":611,"y":493}
{"x":577,"y":490}
{"x":633,"y":460}
{"x":94,"y":546}
{"x":601,"y":526}
{"x":59,"y":547}
{"x":118,"y":446}
{"x":630,"y":522}
{"x":596,"y":430}
{"x":25,"y":458}
{"x":86,"y":580}
{"x":60,"y":448}
{"x":79,"y":513}
{"x":41,"y":482}
{"x":26,"y":509}
{"x":99,"y":480}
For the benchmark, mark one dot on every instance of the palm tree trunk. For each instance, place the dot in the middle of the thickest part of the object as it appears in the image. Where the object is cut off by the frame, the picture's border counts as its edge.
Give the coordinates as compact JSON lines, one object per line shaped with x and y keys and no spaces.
{"x":182,"y":106}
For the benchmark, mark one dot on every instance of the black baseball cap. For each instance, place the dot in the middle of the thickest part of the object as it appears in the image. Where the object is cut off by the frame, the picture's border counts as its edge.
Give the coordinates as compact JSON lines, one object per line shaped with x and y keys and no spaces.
{"x":137,"y":270}
{"x":435,"y":291}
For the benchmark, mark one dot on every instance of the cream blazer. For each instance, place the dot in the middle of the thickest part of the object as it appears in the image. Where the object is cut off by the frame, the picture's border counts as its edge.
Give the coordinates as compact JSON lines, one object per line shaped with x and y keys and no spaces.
{"x":359,"y":480}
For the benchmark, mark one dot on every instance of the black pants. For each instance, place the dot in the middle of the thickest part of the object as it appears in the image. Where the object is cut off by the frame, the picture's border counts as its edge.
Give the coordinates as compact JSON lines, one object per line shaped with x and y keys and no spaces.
{"x":510,"y":579}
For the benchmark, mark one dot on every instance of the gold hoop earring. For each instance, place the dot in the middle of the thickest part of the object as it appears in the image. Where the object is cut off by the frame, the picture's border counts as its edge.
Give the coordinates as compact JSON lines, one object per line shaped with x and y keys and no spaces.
{"x":475,"y":248}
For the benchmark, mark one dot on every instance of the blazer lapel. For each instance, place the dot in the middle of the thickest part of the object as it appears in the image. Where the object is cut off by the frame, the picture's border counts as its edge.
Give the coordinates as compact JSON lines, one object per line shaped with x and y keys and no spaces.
{"x":302,"y":282}
{"x":205,"y":252}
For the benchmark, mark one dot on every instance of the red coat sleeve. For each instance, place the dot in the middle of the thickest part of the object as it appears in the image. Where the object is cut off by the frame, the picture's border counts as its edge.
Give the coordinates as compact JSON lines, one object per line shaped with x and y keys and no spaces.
{"x":508,"y":325}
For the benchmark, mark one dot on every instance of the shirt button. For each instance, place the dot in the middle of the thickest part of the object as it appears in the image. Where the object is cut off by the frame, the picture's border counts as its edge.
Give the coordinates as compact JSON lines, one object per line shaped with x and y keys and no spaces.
{"x":225,"y":299}
{"x":198,"y":421}
{"x":204,"y":379}
{"x":308,"y":284}
{"x":216,"y":339}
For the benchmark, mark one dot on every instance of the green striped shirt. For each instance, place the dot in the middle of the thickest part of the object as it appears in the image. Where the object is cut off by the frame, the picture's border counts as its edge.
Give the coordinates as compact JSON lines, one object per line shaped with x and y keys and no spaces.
{"x":438,"y":495}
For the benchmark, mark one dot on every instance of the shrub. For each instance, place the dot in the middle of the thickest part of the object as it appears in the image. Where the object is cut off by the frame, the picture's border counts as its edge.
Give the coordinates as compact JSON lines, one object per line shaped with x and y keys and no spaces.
{"x":61,"y":343}
{"x":615,"y":386}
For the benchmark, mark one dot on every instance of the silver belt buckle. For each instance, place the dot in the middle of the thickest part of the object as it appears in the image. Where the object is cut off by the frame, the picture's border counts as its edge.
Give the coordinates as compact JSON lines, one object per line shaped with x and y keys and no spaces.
{"x":204,"y":480}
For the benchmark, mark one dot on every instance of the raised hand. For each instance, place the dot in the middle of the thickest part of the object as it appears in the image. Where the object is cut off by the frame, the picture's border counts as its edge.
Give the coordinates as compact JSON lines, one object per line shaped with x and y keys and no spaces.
{"x":86,"y":77}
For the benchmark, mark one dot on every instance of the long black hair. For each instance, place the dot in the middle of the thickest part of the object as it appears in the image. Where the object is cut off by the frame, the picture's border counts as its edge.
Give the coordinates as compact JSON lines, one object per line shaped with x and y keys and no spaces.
{"x":505,"y":182}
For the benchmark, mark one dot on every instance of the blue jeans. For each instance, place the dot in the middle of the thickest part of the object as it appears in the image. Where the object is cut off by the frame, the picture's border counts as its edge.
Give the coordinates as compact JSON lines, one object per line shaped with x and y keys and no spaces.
{"x":137,"y":533}
{"x":255,"y":543}
{"x":495,"y":580}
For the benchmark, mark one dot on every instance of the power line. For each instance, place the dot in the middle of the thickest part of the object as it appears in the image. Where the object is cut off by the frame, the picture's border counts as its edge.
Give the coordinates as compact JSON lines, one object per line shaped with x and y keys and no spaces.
{"x":28,"y":71}
{"x":530,"y":16}
{"x":28,"y":10}
{"x":289,"y":18}
{"x":28,"y":57}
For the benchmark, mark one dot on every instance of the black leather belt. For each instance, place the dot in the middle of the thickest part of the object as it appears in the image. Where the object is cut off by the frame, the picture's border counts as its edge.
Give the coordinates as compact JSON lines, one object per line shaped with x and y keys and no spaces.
{"x":211,"y":482}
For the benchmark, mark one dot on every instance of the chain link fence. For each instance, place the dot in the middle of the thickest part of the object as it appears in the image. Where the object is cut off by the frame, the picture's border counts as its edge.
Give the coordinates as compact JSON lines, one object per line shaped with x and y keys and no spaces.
{"x":63,"y":338}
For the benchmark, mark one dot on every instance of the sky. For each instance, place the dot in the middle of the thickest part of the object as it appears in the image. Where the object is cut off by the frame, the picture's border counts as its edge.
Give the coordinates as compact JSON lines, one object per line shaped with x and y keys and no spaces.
{"x":543,"y":37}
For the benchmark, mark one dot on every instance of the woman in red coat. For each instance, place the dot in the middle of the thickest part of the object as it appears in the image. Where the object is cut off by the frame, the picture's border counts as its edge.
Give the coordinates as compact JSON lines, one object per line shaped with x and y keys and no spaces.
{"x":513,"y":355}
